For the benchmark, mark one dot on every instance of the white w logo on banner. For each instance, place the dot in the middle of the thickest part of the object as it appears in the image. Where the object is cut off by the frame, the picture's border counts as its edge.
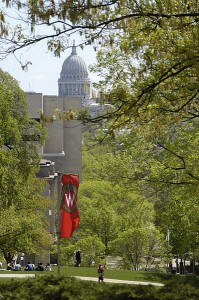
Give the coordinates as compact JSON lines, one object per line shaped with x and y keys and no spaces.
{"x":70,"y":199}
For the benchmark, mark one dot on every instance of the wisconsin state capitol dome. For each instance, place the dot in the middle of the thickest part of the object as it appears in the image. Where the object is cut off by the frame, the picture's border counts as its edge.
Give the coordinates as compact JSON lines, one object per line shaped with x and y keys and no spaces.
{"x":74,"y":78}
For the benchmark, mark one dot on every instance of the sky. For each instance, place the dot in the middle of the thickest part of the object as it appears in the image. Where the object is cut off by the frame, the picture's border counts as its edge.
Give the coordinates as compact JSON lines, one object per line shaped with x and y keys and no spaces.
{"x":42,"y":76}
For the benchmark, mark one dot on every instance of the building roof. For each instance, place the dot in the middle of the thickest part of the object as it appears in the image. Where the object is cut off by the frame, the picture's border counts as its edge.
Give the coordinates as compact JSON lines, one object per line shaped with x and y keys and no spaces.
{"x":74,"y":65}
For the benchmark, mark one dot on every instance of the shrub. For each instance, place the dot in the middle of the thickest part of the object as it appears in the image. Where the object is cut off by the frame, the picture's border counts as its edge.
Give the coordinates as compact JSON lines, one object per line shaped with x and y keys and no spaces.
{"x":49,"y":287}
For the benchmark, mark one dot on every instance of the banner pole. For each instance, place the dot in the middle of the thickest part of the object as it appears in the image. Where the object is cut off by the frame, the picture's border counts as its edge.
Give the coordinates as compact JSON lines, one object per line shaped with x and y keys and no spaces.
{"x":58,"y":221}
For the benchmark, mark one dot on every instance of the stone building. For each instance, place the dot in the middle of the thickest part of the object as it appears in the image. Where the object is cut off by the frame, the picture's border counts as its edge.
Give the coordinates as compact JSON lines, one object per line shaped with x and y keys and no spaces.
{"x":64,"y":142}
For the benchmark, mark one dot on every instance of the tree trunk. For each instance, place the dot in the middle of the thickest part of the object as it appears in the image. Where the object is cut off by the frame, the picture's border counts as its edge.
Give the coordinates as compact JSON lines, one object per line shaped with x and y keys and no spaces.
{"x":8,"y":257}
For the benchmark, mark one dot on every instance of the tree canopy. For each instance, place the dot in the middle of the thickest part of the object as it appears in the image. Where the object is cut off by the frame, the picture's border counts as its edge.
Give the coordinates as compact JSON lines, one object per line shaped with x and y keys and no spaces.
{"x":148,"y":54}
{"x":22,"y":224}
{"x":95,"y":19}
{"x":153,"y":186}
{"x":148,"y":60}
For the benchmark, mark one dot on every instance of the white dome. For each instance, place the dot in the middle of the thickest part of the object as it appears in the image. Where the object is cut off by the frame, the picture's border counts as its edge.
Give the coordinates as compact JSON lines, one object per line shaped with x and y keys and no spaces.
{"x":74,"y":78}
{"x":74,"y":65}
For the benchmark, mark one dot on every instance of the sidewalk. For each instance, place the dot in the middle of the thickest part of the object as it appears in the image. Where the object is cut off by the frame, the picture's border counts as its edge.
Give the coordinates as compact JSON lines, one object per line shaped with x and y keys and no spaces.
{"x":106,"y":280}
{"x":16,"y":275}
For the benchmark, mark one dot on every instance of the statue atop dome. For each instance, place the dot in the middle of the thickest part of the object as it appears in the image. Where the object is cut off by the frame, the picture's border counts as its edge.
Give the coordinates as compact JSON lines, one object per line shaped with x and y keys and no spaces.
{"x":74,"y":52}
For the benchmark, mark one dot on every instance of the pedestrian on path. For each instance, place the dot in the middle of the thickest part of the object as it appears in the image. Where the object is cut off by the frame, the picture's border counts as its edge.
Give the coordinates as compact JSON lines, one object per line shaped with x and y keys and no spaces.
{"x":100,"y":271}
{"x":78,"y":258}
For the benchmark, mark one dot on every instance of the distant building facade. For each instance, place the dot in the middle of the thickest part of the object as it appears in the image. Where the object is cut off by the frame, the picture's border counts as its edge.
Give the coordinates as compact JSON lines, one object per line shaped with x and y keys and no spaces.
{"x":64,"y":143}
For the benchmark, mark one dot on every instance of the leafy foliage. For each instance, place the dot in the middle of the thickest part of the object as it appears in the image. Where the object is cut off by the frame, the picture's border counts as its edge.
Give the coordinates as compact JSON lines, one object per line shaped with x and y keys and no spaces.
{"x":136,"y":243}
{"x":22,"y":208}
{"x":146,"y":172}
{"x":51,"y":287}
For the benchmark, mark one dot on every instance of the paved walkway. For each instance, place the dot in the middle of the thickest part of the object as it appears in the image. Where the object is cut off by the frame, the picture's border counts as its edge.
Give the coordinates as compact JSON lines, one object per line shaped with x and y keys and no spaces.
{"x":88,"y":278}
{"x":120,"y":281}
{"x":16,"y":275}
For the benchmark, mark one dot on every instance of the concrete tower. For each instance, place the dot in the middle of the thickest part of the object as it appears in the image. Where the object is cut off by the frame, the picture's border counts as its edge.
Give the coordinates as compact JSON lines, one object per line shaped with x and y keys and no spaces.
{"x":64,"y":143}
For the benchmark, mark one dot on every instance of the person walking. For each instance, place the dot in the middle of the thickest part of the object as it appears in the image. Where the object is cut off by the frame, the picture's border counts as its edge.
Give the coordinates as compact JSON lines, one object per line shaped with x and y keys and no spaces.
{"x":78,"y":258}
{"x":100,"y":271}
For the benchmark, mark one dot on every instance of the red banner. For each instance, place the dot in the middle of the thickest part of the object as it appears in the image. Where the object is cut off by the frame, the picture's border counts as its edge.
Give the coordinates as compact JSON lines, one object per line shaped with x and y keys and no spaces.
{"x":69,"y":210}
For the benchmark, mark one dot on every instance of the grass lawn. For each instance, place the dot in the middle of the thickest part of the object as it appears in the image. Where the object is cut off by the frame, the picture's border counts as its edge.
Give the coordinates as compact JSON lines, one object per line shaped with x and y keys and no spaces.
{"x":92,"y":272}
{"x":114,"y":274}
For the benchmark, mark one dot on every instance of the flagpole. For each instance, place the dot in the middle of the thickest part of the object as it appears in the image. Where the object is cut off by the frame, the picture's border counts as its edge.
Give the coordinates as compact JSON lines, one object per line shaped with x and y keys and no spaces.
{"x":58,"y":221}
